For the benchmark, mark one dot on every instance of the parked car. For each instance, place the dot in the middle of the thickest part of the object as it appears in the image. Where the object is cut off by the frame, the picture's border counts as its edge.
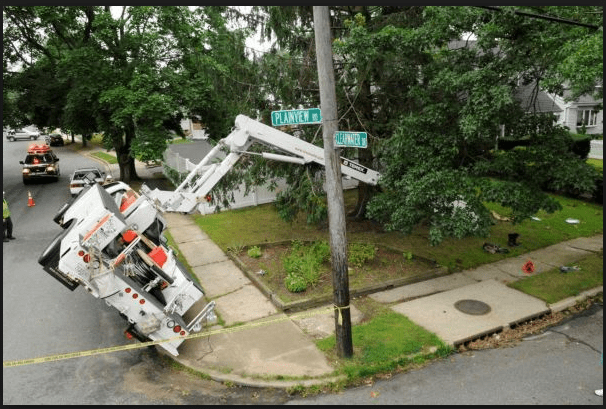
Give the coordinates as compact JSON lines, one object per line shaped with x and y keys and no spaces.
{"x":55,"y":139}
{"x":40,"y":163}
{"x":22,"y":133}
{"x":83,"y":177}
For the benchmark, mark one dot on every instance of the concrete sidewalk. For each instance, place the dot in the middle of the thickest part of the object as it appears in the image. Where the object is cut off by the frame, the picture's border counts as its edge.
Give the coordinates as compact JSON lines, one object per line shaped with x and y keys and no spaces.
{"x":272,"y":349}
{"x":269,"y":345}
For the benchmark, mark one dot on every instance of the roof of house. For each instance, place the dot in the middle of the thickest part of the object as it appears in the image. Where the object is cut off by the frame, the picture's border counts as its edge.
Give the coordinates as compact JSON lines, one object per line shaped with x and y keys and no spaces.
{"x":532,"y":100}
{"x":584,"y":99}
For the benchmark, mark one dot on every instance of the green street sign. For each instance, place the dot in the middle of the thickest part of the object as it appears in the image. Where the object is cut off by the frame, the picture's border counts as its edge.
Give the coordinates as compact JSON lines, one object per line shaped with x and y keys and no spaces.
{"x":351,"y":139}
{"x":296,"y":117}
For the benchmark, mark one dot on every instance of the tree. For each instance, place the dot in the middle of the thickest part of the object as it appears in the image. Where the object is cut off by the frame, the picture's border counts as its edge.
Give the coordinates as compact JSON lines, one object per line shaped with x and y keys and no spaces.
{"x":434,"y":104}
{"x":378,"y":65}
{"x":132,"y":73}
{"x":442,"y":166}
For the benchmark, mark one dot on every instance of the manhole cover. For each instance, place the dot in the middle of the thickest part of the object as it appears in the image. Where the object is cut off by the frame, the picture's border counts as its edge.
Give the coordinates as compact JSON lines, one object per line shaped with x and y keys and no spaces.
{"x":472,"y":307}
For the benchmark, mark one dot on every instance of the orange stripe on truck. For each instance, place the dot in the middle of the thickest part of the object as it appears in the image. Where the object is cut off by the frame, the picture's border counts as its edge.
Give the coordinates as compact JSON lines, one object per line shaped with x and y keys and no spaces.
{"x":97,"y":226}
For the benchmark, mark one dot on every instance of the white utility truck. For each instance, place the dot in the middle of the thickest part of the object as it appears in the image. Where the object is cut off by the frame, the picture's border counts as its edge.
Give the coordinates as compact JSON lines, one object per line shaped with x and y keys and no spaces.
{"x":113,"y":244}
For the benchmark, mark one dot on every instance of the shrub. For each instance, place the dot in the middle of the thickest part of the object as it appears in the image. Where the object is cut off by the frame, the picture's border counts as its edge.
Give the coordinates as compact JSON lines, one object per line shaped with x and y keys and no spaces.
{"x":295,"y":283}
{"x":173,"y":175}
{"x":254,"y":252}
{"x":581,"y":147}
{"x":360,"y":253}
{"x":321,"y":251}
{"x":303,"y":265}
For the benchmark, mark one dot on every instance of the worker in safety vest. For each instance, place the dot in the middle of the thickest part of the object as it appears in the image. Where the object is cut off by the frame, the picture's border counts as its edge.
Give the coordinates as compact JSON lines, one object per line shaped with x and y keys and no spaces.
{"x":7,"y":223}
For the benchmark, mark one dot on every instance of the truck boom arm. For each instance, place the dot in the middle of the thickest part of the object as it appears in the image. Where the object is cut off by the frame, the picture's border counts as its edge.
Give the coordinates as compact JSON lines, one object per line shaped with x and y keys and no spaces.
{"x":246,"y":132}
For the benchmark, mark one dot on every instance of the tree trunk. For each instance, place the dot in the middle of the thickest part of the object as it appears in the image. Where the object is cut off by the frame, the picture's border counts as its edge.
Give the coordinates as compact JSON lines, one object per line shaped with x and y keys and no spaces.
{"x":365,"y":193}
{"x":128,"y":172}
{"x":365,"y":157}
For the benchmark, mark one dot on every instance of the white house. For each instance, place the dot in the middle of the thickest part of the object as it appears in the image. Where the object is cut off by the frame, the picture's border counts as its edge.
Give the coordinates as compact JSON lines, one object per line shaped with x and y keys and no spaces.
{"x":572,"y":114}
{"x":579,"y":116}
{"x":579,"y":113}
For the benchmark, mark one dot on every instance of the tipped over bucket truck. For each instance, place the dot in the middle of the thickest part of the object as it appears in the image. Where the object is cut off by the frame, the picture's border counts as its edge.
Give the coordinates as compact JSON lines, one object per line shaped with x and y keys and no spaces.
{"x":112,"y":241}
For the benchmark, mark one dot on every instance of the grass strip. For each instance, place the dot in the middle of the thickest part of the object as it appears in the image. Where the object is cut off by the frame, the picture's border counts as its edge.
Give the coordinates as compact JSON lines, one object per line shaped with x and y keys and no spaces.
{"x":553,"y":285}
{"x":111,"y":159}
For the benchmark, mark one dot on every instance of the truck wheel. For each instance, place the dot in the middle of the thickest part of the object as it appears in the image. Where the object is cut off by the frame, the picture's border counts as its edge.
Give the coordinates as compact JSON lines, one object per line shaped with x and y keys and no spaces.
{"x":59,"y":216}
{"x":25,"y":181}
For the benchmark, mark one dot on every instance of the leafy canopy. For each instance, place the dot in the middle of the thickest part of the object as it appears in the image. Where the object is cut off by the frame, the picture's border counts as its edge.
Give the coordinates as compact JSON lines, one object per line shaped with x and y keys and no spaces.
{"x":435,"y":101}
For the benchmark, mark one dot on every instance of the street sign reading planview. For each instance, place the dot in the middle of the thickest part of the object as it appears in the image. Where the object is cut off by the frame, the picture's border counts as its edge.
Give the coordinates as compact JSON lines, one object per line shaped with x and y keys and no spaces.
{"x":351,"y":139}
{"x":296,"y":117}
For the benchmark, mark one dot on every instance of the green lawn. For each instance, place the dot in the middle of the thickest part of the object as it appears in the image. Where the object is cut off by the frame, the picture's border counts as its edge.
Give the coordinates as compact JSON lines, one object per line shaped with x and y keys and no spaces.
{"x":597,"y":163}
{"x":179,"y":140}
{"x":261,"y":224}
{"x":381,"y":345}
{"x":106,"y":157}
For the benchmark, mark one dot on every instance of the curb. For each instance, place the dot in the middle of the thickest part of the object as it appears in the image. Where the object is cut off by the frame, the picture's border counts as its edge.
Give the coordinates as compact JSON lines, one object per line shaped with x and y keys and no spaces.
{"x":571,"y":301}
{"x":89,"y":154}
{"x":240,"y":381}
{"x":105,"y":163}
{"x":108,"y":166}
{"x":218,"y":376}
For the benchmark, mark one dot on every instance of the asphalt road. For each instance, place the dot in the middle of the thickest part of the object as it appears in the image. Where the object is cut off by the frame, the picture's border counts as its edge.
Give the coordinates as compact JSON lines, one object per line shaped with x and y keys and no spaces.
{"x":40,"y":316}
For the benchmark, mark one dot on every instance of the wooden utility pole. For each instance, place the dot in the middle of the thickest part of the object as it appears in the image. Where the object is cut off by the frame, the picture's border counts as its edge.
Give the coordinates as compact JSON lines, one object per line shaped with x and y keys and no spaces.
{"x":334,"y":184}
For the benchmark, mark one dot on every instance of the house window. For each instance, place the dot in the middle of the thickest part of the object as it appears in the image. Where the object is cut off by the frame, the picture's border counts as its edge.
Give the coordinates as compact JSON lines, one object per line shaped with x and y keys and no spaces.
{"x":587,"y":117}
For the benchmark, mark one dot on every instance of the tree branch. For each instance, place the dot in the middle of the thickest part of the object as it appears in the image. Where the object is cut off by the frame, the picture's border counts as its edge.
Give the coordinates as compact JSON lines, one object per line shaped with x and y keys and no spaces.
{"x":26,"y":33}
{"x":90,"y":14}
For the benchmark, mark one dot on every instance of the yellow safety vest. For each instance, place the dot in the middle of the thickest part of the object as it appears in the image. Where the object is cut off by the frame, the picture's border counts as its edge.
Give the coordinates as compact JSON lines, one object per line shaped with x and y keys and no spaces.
{"x":5,"y":212}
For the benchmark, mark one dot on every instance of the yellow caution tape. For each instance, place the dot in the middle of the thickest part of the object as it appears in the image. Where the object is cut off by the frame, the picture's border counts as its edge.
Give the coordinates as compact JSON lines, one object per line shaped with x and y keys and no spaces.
{"x":339,"y":315}
{"x":100,"y":351}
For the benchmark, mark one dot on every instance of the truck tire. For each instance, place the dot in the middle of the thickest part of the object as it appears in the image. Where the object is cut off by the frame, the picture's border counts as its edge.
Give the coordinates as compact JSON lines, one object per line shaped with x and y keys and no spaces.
{"x":59,"y":216}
